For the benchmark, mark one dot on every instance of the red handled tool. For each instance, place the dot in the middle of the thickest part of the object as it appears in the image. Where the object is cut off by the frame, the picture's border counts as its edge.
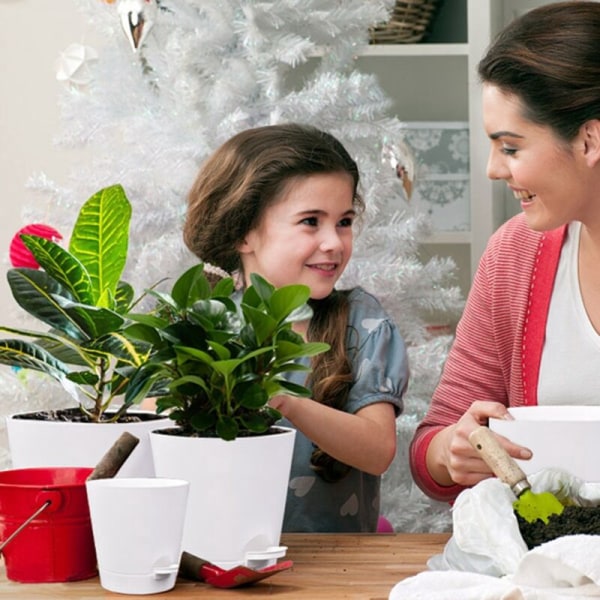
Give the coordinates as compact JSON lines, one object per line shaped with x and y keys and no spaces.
{"x":192,"y":567}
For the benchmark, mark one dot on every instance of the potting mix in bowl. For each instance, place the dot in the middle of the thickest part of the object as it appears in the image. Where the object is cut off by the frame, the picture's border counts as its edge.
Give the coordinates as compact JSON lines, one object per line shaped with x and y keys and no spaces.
{"x":565,"y":438}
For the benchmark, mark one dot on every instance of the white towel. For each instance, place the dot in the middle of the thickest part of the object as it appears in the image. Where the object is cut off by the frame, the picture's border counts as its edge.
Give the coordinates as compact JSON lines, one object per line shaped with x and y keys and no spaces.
{"x":567,"y":567}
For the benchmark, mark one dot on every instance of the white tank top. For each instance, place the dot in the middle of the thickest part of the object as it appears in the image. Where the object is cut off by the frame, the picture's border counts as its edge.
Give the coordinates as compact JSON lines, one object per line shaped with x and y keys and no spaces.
{"x":570,"y":367}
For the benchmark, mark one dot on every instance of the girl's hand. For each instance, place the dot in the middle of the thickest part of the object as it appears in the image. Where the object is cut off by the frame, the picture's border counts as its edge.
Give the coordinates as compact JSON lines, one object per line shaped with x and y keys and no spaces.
{"x":450,"y":457}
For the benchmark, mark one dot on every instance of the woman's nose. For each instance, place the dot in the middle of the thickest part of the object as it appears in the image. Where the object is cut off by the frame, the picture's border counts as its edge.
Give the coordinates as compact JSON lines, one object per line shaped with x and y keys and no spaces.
{"x":496,"y":169}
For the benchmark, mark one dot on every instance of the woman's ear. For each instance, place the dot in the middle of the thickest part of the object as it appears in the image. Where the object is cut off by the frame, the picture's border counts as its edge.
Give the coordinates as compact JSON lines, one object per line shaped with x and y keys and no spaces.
{"x":591,"y":141}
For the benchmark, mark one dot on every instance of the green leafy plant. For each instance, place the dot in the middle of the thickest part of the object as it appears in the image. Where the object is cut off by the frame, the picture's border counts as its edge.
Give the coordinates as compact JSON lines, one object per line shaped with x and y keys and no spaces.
{"x":219,"y":364}
{"x":79,"y":295}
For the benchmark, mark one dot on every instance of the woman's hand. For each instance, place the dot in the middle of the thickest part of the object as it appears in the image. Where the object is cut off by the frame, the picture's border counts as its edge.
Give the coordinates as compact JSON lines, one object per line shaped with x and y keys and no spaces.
{"x":450,"y":457}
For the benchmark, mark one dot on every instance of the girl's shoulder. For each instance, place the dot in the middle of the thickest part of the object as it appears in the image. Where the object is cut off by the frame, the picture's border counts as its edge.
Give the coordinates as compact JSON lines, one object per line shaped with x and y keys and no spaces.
{"x":365,"y":308}
{"x":361,"y":300}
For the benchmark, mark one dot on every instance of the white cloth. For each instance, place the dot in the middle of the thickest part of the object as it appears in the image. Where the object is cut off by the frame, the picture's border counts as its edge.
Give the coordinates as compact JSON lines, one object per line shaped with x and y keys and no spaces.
{"x":567,"y":567}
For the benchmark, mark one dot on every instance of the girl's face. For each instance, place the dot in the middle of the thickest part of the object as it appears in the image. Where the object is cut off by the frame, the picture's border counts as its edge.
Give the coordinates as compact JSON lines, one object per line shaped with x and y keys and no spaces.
{"x":305,"y":236}
{"x":546,"y":175}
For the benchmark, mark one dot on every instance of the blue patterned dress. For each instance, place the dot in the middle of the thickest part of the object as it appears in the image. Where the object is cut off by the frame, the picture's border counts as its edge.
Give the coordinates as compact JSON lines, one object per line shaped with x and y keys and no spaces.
{"x":380,"y":367}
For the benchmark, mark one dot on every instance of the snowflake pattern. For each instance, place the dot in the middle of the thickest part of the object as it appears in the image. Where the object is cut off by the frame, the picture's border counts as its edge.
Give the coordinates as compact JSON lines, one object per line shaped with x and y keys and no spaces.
{"x":459,"y":146}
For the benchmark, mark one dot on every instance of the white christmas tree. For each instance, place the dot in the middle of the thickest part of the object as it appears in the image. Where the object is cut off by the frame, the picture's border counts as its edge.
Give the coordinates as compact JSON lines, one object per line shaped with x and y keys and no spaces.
{"x":176,"y":78}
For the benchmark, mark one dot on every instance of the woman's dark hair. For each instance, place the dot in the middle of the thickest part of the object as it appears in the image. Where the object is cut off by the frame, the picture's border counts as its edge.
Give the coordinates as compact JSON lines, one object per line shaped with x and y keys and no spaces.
{"x":235,"y":186}
{"x":550,"y":58}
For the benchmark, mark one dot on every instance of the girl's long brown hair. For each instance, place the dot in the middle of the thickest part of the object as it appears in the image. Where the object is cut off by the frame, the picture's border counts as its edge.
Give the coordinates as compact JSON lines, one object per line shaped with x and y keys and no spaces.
{"x":331,"y":377}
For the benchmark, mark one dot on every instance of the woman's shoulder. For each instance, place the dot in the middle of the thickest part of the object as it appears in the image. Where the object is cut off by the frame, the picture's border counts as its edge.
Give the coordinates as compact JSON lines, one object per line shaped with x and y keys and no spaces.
{"x":514,"y":255}
{"x":515,"y":242}
{"x":516,"y":232}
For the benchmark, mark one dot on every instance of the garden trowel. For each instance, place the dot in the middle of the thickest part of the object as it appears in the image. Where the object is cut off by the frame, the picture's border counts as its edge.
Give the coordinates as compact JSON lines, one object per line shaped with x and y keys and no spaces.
{"x":529,"y":505}
{"x":192,"y":567}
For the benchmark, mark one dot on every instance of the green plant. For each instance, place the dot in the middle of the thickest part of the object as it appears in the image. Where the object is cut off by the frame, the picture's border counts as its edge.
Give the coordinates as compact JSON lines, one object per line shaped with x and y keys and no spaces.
{"x":218,"y":364}
{"x":79,"y":295}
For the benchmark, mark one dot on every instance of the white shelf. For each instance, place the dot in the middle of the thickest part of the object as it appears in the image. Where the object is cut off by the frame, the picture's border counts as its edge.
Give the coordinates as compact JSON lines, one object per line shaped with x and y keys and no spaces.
{"x":449,"y":237}
{"x":437,"y":81}
{"x":409,"y":50}
{"x":414,"y":50}
{"x":445,"y":87}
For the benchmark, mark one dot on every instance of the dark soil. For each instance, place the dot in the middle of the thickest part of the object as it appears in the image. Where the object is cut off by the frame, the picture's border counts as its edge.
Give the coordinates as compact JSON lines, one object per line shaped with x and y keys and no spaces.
{"x":573,"y":520}
{"x":209,"y":433}
{"x":74,"y":415}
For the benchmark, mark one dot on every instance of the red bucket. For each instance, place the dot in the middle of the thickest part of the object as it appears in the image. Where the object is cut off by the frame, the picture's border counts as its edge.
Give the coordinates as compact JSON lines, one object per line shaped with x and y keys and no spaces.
{"x":56,"y":545}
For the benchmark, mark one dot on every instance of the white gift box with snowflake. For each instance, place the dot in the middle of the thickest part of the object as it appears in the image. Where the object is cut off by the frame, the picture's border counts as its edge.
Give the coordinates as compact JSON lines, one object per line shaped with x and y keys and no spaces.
{"x":441,"y":178}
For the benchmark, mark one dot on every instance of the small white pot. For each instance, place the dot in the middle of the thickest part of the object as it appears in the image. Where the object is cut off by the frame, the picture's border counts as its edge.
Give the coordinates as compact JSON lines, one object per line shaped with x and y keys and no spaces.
{"x":237,"y":495}
{"x":137,"y":555}
{"x":37,"y":443}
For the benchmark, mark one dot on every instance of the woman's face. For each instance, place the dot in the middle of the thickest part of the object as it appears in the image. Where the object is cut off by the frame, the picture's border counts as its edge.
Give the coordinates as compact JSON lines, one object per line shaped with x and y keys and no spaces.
{"x":305,"y":236}
{"x":546,"y":175}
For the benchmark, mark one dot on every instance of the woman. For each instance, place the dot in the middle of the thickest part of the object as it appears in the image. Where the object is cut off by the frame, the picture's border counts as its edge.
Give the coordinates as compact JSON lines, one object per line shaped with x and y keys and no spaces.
{"x":529,"y":332}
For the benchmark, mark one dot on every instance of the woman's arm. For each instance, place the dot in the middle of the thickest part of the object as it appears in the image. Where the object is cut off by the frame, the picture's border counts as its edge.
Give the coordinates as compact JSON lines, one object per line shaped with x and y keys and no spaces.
{"x":482,"y":374}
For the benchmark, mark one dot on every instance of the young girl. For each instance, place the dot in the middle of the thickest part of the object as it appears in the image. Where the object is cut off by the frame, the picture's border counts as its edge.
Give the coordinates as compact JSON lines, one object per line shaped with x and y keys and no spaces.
{"x":280,"y":201}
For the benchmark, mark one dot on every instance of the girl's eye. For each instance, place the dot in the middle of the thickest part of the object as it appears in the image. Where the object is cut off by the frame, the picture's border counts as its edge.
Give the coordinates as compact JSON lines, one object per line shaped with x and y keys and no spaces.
{"x":509,"y":151}
{"x":312,"y":221}
{"x":347,"y":222}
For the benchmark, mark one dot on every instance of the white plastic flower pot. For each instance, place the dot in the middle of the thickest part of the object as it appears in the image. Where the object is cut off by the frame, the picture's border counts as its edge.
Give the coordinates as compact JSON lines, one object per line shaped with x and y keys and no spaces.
{"x":237,"y":495}
{"x":37,"y":443}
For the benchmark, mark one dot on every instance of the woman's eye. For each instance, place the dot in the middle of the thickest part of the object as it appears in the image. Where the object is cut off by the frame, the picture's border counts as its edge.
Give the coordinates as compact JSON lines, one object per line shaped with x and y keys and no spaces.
{"x":347,"y":222}
{"x":312,"y":221}
{"x":509,"y":151}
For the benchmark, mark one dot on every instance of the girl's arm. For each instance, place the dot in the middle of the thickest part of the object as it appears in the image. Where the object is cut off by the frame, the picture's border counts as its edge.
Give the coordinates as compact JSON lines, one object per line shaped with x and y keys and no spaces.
{"x":365,"y":440}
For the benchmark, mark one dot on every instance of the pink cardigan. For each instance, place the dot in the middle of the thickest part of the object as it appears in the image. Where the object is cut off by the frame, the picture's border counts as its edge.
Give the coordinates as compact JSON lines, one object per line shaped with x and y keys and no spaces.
{"x":498,"y":346}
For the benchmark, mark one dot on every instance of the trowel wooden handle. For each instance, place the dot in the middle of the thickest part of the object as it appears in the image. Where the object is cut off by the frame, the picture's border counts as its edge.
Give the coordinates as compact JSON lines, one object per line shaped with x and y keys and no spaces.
{"x":498,"y":459}
{"x":116,"y":455}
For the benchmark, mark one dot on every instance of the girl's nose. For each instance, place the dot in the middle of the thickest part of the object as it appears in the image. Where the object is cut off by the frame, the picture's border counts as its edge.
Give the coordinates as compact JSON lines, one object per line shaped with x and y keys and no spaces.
{"x":331,"y":240}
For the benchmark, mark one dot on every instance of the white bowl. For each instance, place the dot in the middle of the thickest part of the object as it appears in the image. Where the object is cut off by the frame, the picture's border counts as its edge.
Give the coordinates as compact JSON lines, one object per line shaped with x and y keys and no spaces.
{"x":561,"y":437}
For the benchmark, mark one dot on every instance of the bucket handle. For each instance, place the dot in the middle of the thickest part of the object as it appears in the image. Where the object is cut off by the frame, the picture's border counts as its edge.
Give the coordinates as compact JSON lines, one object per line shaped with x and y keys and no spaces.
{"x":22,"y":526}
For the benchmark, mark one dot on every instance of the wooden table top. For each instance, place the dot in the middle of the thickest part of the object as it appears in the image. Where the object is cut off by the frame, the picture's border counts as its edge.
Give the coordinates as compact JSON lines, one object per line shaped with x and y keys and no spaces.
{"x":326,"y":566}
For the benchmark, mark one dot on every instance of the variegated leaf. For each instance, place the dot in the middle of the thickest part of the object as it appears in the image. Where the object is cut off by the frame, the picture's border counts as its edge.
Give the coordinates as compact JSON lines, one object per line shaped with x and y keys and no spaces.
{"x":127,"y":351}
{"x":61,"y":266}
{"x":100,"y":239}
{"x":37,"y":293}
{"x":20,"y":353}
{"x":94,"y":321}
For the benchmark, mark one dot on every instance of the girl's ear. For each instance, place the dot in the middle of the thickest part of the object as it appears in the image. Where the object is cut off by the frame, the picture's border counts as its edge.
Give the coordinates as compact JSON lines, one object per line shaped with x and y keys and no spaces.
{"x":591,"y":141}
{"x":243,"y":247}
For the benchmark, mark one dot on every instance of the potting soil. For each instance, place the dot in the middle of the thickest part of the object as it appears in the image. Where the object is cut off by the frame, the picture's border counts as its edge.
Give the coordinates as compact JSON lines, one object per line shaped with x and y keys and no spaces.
{"x":573,"y":520}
